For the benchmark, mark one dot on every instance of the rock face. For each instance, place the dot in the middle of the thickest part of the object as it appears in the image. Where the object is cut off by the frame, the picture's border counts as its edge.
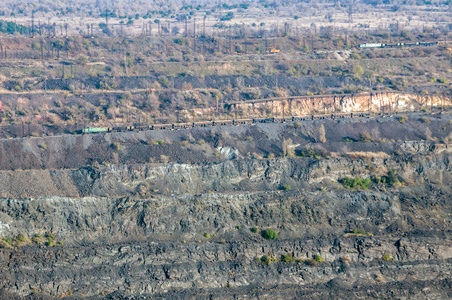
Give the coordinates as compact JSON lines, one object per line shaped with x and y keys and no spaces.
{"x":374,"y":103}
{"x":191,"y":224}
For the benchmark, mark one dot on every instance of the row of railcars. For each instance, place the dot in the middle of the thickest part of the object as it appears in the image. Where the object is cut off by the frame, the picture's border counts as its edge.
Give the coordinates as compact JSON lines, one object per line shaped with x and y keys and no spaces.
{"x":179,"y":126}
{"x":397,"y":45}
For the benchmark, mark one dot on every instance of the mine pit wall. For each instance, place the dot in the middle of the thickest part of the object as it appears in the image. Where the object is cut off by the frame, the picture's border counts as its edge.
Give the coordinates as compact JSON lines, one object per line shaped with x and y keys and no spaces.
{"x":374,"y":103}
{"x":209,"y":266}
{"x":118,"y":201}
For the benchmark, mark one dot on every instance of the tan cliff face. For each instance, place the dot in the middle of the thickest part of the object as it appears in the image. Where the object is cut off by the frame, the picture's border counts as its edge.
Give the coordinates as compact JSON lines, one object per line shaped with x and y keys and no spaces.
{"x":378,"y":102}
{"x":299,"y":106}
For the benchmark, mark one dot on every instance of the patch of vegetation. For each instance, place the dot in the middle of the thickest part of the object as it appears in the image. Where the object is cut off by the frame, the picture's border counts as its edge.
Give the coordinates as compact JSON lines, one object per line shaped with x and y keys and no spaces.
{"x":50,"y":239}
{"x":386,"y":257}
{"x":267,"y":259}
{"x":391,"y":179}
{"x":285,"y":187}
{"x":12,"y":27}
{"x":7,"y":240}
{"x":309,"y":153}
{"x":270,"y":234}
{"x":318,"y":258}
{"x":365,"y":137}
{"x":360,"y":231}
{"x":20,"y":238}
{"x":353,"y":183}
{"x":254,"y":229}
{"x":287,"y":258}
{"x":207,"y":235}
{"x":402,"y":119}
{"x":14,"y":241}
{"x":116,"y":146}
{"x":425,"y":120}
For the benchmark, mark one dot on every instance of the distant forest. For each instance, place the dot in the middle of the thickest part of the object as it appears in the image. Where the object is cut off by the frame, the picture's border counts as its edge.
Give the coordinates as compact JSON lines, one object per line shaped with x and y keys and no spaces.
{"x":11,"y":28}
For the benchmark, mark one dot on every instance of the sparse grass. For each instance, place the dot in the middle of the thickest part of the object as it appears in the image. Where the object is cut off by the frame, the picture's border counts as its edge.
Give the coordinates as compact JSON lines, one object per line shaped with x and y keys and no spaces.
{"x":367,"y":155}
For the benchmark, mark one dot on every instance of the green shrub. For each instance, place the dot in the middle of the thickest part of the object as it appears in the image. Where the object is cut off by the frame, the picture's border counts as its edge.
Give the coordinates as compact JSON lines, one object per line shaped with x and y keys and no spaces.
{"x":425,"y":120}
{"x":308,"y":153}
{"x":285,"y":187}
{"x":50,"y":235}
{"x":116,"y":146}
{"x":163,"y":80}
{"x":207,"y":235}
{"x":318,"y":258}
{"x":311,"y":262}
{"x":20,"y":238}
{"x":7,"y":240}
{"x":391,"y":179}
{"x":375,"y":179}
{"x":181,"y":41}
{"x":270,"y":234}
{"x":362,"y":231}
{"x":365,"y":137}
{"x":402,"y":119}
{"x":287,"y":258}
{"x":352,"y":183}
{"x":386,"y":257}
{"x":254,"y":229}
{"x":267,"y":259}
{"x":354,"y":231}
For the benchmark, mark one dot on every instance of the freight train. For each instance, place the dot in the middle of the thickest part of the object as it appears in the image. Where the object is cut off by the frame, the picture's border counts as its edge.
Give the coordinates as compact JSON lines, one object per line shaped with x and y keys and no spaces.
{"x":237,"y":122}
{"x":397,"y":45}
